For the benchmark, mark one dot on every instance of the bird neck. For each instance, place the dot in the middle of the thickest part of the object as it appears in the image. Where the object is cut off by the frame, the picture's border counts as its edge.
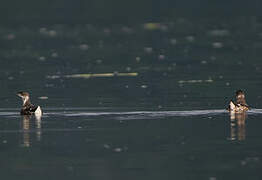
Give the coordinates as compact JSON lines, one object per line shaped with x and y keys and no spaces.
{"x":26,"y":101}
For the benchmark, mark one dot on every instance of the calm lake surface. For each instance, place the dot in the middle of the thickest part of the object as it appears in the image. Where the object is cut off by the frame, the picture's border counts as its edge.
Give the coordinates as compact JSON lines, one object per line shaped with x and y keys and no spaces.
{"x":143,"y":101}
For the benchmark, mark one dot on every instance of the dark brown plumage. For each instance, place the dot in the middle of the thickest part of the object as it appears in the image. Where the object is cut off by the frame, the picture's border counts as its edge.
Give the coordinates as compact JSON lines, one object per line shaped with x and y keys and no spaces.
{"x":27,"y":108}
{"x":240,"y":104}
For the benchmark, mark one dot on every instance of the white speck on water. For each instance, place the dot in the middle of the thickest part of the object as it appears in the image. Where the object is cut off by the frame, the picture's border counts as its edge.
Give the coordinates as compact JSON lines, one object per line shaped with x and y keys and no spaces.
{"x":107,"y":31}
{"x":41,"y":58}
{"x":127,"y":30}
{"x":54,"y":55}
{"x":219,"y":32}
{"x":173,"y":41}
{"x":43,"y":97}
{"x":240,"y":63}
{"x":99,"y":61}
{"x":83,"y":47}
{"x":49,"y":85}
{"x":143,"y":86}
{"x":106,"y":146}
{"x":52,"y":33}
{"x":10,"y":37}
{"x":163,"y":27}
{"x":4,"y":141}
{"x":217,"y":45}
{"x":138,"y":59}
{"x":118,"y":149}
{"x":203,"y":62}
{"x":148,"y":50}
{"x":243,"y":163}
{"x":212,"y":178}
{"x":227,"y":84}
{"x":70,"y":168}
{"x":53,"y":77}
{"x":128,"y":69}
{"x":221,"y":77}
{"x":161,"y":57}
{"x":43,"y":30}
{"x":213,"y":58}
{"x":126,"y":86}
{"x":10,"y":78}
{"x":190,"y":38}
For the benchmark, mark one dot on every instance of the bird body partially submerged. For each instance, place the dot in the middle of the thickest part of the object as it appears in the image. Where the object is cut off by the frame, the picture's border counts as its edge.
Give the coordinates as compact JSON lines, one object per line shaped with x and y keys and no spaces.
{"x":240,"y":105}
{"x":28,"y":108}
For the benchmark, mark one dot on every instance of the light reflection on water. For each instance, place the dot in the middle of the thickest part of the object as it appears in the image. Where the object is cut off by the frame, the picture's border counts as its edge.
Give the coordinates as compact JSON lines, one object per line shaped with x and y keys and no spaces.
{"x":238,"y":126}
{"x":31,"y":126}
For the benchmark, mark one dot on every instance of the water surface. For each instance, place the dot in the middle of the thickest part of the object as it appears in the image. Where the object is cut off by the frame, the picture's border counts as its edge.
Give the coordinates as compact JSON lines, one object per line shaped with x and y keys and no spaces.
{"x":111,"y":144}
{"x":132,"y":101}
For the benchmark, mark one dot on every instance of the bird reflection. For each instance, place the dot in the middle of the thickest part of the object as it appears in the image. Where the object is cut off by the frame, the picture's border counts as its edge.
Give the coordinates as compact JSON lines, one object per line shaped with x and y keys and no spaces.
{"x":26,"y":126}
{"x":238,"y":126}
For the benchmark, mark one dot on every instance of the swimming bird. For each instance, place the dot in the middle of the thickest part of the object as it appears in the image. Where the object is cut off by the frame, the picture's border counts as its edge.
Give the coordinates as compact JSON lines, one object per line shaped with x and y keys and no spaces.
{"x":240,"y":105}
{"x":28,"y":108}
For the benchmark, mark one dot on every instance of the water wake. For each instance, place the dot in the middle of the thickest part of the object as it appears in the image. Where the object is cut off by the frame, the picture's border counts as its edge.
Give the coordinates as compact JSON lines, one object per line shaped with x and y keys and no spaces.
{"x":136,"y":114}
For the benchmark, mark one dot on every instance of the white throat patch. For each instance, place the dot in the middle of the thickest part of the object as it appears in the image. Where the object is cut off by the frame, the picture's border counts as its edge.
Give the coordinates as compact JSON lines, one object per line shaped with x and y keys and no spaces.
{"x":25,"y":99}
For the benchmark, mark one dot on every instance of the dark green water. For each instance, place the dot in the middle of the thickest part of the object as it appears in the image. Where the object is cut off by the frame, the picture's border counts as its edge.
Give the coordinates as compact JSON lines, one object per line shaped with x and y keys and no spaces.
{"x":132,"y":126}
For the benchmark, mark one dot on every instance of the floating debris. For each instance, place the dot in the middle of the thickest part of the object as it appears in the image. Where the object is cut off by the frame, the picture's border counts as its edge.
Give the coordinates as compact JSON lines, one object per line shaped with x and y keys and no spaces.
{"x":144,"y":86}
{"x":195,"y":81}
{"x":152,"y":26}
{"x":53,"y":77}
{"x":133,"y":74}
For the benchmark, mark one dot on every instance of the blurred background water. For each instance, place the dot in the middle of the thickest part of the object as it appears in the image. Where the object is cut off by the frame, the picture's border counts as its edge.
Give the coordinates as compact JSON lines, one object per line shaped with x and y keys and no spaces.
{"x":130,"y":90}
